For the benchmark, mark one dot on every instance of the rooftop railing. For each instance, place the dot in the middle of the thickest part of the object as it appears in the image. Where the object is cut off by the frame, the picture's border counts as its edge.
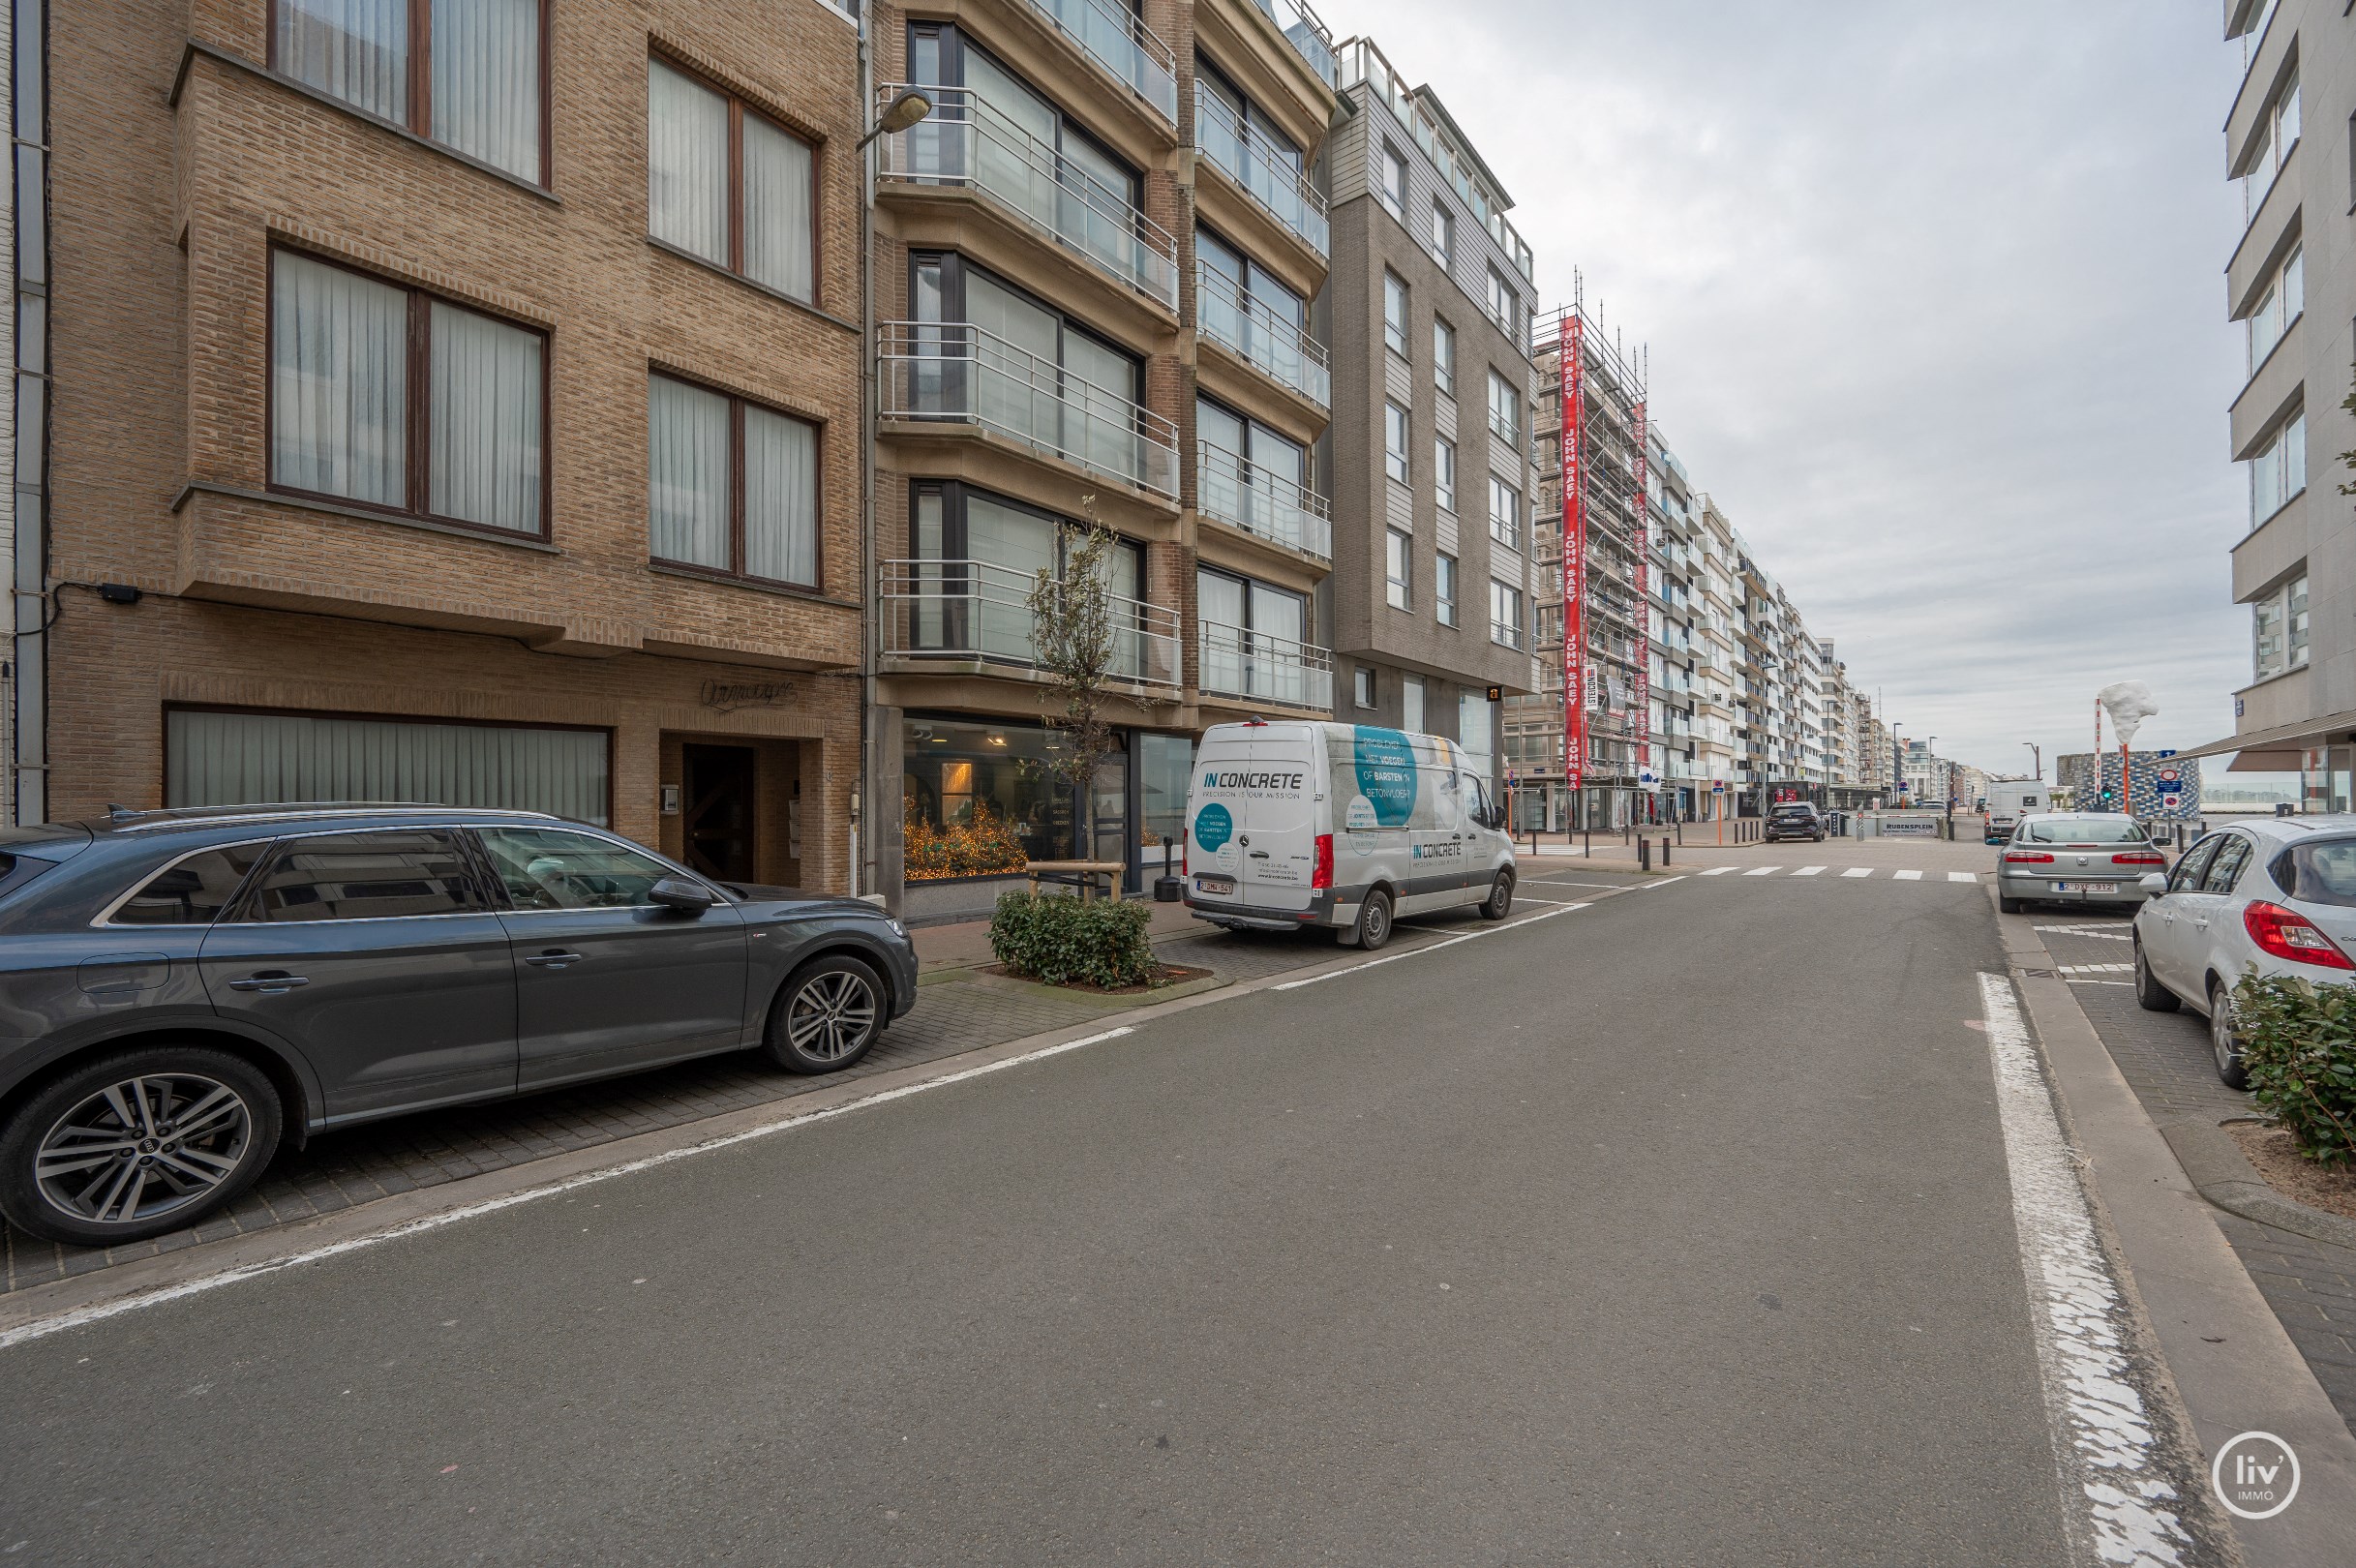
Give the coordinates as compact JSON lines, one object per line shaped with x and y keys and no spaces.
{"x":1271,"y":175}
{"x":1308,"y":33}
{"x":954,"y":373}
{"x":966,"y":141}
{"x":1119,"y":42}
{"x":1241,"y":663}
{"x":1237,"y":491}
{"x":976,"y":609}
{"x":1248,"y":326}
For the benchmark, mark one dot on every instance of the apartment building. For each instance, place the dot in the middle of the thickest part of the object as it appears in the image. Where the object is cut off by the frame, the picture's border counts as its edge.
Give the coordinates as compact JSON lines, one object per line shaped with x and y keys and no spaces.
{"x":1429,"y":304}
{"x":448,"y":404}
{"x":2295,"y":563}
{"x":1095,"y":264}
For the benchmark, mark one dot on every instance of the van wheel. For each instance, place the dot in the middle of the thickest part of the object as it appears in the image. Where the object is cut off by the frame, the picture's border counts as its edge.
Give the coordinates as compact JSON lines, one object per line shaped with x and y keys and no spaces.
{"x":1374,"y":921}
{"x":1500,"y":898}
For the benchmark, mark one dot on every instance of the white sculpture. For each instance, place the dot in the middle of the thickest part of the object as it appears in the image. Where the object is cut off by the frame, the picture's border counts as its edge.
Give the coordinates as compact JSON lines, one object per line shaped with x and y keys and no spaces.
{"x":2128,"y":703}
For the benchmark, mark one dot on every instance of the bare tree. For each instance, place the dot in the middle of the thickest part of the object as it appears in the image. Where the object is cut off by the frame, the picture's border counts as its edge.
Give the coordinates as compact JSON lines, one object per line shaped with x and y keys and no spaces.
{"x":1074,"y":630}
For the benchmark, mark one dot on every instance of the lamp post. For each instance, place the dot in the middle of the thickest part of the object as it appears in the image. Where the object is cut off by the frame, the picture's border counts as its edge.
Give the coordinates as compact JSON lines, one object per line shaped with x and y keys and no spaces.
{"x":2037,"y":759}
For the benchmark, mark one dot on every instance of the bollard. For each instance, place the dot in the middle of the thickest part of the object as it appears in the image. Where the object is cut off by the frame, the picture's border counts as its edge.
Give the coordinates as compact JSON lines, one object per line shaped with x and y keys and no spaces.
{"x":1644,"y":854}
{"x":1664,"y":852}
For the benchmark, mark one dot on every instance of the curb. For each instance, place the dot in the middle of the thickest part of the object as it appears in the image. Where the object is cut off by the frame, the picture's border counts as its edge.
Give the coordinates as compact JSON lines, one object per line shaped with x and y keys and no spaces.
{"x":2223,"y":1175}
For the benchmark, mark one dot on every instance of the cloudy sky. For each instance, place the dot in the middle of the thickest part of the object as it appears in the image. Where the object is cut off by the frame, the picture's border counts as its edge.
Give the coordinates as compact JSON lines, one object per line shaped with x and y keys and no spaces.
{"x":1935,"y":304}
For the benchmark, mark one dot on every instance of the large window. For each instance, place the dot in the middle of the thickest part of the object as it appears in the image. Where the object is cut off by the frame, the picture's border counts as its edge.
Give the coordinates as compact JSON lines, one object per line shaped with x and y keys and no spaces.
{"x":1395,"y":441}
{"x":1504,"y":305}
{"x":731,"y":487}
{"x":1257,"y":478}
{"x":1412,"y":704}
{"x":1254,"y":637}
{"x":1444,"y":472}
{"x":1505,"y":410}
{"x":1443,"y":356}
{"x":476,"y":90}
{"x":388,"y":397}
{"x":2277,"y":134}
{"x":1504,"y":613}
{"x":1399,"y":579}
{"x":976,"y":558}
{"x":2277,"y":473}
{"x":1394,"y":191}
{"x":215,"y":756}
{"x":1442,"y":234}
{"x":727,"y":184}
{"x":1504,"y":513}
{"x":1444,"y":589}
{"x":2285,"y":299}
{"x":2279,"y":629}
{"x":982,"y":798}
{"x":1395,"y":313}
{"x":1248,"y":307}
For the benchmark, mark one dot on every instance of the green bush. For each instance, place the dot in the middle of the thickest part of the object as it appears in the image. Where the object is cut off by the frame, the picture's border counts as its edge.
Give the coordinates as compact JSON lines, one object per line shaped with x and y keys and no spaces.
{"x":1064,"y":941}
{"x":2299,"y":1046}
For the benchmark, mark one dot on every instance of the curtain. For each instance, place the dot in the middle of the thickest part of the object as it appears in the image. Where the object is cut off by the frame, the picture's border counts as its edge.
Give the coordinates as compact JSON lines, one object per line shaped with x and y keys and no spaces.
{"x":357,"y":50}
{"x":486,"y":62}
{"x":778,"y":244}
{"x":686,"y":163}
{"x":338,"y":382}
{"x":486,"y":420}
{"x":258,"y":759}
{"x":687,"y":473}
{"x":780,"y":497}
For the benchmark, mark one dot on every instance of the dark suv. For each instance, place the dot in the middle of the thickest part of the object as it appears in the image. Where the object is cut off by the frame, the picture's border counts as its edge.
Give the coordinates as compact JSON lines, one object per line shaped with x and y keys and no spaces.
{"x":1794,"y":819}
{"x":182,"y":993}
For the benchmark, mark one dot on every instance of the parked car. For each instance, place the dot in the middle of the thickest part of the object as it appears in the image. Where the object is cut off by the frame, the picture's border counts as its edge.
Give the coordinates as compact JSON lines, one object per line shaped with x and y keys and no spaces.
{"x":1795,"y":819}
{"x":2276,"y":895}
{"x":1340,"y":826}
{"x":184,"y":993}
{"x":2075,"y":858}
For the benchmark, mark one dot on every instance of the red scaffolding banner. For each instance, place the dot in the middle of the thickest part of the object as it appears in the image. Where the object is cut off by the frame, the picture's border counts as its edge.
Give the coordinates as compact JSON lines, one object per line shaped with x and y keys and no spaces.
{"x":1640,"y":545}
{"x":1571,"y":374}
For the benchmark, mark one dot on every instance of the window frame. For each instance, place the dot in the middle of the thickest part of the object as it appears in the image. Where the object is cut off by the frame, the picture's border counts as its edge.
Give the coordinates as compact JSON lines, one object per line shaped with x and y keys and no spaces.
{"x":239,"y":911}
{"x":487,"y":864}
{"x":1365,"y":691}
{"x":738,"y":106}
{"x":417,"y":409}
{"x":1444,"y":359}
{"x":1397,"y":462}
{"x":1440,"y":237}
{"x":1395,"y":293}
{"x":1445,"y":574}
{"x":1444,"y":472}
{"x":1510,"y":533}
{"x":737,"y":402}
{"x":1399,"y":593}
{"x":105,"y":920}
{"x":1395,"y":201}
{"x":420,"y":89}
{"x":1511,"y":436}
{"x":1519,"y":604}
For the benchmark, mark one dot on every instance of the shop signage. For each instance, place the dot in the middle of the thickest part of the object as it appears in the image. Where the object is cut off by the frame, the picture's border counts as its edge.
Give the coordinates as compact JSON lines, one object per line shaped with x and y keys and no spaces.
{"x":1571,"y":382}
{"x":728,"y":696}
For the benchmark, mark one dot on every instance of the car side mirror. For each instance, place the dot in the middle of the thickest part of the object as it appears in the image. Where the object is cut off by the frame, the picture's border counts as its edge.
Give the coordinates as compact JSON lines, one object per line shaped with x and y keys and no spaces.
{"x":2153,"y":882}
{"x":678,"y":892}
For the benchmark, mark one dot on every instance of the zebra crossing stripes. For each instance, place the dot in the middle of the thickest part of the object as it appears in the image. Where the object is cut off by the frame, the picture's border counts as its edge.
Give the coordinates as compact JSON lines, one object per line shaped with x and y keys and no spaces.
{"x":1859,"y":871}
{"x":1807,"y":871}
{"x":1963,"y":876}
{"x":1906,"y":876}
{"x":1719,"y":870}
{"x":1761,"y":871}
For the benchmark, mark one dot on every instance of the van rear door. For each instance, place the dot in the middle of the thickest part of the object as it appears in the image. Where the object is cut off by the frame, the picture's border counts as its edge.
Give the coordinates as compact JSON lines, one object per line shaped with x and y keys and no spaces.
{"x":1254,"y":799}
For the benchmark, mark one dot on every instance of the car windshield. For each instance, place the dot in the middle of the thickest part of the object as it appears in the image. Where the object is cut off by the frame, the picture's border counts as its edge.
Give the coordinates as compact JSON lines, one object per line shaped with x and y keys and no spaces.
{"x":2323,"y":873}
{"x":2081,"y":830}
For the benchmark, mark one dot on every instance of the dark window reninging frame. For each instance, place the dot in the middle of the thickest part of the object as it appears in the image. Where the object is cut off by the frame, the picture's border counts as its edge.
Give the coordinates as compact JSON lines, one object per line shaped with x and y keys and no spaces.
{"x":953,"y":266}
{"x":420,"y":84}
{"x":953,"y":495}
{"x":737,"y":108}
{"x":735,"y":572}
{"x":417,"y":470}
{"x":953,"y":42}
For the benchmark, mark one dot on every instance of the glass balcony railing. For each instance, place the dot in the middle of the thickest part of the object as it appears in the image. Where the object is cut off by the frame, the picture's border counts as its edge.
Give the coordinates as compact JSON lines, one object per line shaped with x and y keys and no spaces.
{"x":1240,"y":663}
{"x":980,"y":609}
{"x":1271,"y":175}
{"x":1239,"y":492}
{"x":1119,"y":42}
{"x":1250,"y":328}
{"x":951,"y":371}
{"x":966,"y":141}
{"x":1308,"y":33}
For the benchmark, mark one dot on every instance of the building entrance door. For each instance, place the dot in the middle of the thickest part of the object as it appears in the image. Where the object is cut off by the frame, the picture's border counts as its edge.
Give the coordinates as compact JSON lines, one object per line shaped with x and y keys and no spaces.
{"x":717,"y":815}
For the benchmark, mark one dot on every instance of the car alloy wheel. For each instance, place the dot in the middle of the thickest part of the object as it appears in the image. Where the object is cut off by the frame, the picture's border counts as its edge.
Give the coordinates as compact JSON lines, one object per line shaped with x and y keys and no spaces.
{"x":832,"y":1016}
{"x":138,"y":1150}
{"x":2224,"y":1041}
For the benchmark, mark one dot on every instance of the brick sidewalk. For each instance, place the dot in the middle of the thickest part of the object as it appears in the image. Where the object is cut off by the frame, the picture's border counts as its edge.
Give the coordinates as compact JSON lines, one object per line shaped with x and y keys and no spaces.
{"x":2164,"y":1057}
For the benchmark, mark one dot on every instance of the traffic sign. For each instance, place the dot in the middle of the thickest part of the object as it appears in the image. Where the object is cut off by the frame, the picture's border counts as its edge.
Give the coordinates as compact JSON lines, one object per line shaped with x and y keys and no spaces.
{"x":2170,"y":752}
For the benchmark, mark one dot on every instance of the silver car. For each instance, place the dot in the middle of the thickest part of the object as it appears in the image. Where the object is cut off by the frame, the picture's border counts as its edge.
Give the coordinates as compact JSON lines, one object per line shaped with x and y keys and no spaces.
{"x":2075,"y":858}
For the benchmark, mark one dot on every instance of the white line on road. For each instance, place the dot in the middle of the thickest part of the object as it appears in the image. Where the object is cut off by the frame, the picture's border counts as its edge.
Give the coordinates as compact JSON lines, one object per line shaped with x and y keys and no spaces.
{"x":1906,"y":876}
{"x":1809,"y":871}
{"x":1963,"y":876}
{"x":1415,"y":952}
{"x":2113,"y":1490}
{"x":43,"y":1327}
{"x":1859,"y":871}
{"x":2094,"y":969}
{"x":2075,"y":980}
{"x":1761,"y":871}
{"x":2108,"y":933}
{"x":1666,"y":881}
{"x":1718,"y":870}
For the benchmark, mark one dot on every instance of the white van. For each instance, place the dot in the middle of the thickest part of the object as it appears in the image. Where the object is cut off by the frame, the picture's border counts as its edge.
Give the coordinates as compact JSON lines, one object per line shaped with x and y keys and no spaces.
{"x":1342,"y":826}
{"x":2008,"y":799}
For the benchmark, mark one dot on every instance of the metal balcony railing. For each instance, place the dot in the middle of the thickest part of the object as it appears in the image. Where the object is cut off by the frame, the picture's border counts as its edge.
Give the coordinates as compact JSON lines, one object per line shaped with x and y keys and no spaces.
{"x":979,"y":609}
{"x":1236,"y":490}
{"x":1250,"y":328}
{"x":966,"y":141}
{"x":1505,"y":634}
{"x":1119,"y":41}
{"x":1308,"y":35}
{"x":954,"y":373}
{"x":1270,"y":174}
{"x":1241,"y":663}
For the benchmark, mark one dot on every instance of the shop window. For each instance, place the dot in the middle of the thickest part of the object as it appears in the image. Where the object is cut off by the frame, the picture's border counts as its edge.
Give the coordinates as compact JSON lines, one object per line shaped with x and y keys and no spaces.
{"x":980,"y":798}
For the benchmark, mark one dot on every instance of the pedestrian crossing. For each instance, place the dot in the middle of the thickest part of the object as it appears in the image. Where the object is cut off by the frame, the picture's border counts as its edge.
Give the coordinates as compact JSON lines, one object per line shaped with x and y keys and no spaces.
{"x":1854,"y":871}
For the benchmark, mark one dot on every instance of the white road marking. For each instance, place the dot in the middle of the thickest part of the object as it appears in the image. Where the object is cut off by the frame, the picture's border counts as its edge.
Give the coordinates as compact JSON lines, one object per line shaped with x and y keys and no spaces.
{"x":1666,"y":881}
{"x":1859,"y":871}
{"x":2077,"y":981}
{"x":1963,"y":876}
{"x":1809,"y":871}
{"x":1718,"y":870}
{"x":1414,"y":953}
{"x":2108,"y":933}
{"x":1761,"y":871}
{"x":2114,"y":1494}
{"x":1906,"y":876}
{"x":2092,"y":969}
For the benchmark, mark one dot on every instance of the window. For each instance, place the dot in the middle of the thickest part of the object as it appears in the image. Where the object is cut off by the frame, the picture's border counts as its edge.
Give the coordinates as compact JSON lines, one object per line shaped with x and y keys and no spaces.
{"x":192,"y":890}
{"x":1411,"y":703}
{"x":1504,"y":308}
{"x":391,"y":399}
{"x":1395,"y":441}
{"x":1443,"y":234}
{"x":727,"y":184}
{"x":2285,"y":299}
{"x":2278,"y":625}
{"x":1395,"y":313}
{"x":1399,"y":584}
{"x":1444,"y":589}
{"x":1443,"y":471}
{"x":1246,"y":307}
{"x":1395,"y":182}
{"x":1362,"y":681}
{"x":549,"y":868}
{"x":1505,"y":410}
{"x":1504,"y":513}
{"x":1504,"y":614}
{"x":2226,"y":869}
{"x":373,"y":876}
{"x":2277,"y":135}
{"x":731,"y":487}
{"x":1251,"y":639}
{"x":2277,"y":473}
{"x":977,"y":555}
{"x":1476,"y":734}
{"x":1256,"y":478}
{"x":1443,"y":356}
{"x":482,"y":71}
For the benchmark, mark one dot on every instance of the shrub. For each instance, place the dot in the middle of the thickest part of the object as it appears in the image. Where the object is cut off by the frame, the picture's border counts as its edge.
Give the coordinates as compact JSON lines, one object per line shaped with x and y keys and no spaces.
{"x":2299,"y":1046}
{"x":1065,"y":941}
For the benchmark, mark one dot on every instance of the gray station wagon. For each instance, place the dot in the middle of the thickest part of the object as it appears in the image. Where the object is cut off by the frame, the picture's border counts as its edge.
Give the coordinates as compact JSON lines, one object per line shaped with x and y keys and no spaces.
{"x":183,"y":993}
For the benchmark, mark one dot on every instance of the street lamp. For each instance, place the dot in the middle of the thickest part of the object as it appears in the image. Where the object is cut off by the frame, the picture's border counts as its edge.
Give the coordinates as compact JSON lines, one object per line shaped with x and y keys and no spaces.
{"x":906,"y":108}
{"x":2037,"y":758}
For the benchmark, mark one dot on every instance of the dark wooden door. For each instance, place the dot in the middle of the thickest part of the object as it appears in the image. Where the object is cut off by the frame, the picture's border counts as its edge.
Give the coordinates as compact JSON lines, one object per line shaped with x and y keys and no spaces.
{"x":718,"y":815}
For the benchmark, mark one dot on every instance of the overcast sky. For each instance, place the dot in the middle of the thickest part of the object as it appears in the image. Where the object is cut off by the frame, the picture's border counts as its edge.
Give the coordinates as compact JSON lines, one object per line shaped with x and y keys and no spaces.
{"x":1935,"y":304}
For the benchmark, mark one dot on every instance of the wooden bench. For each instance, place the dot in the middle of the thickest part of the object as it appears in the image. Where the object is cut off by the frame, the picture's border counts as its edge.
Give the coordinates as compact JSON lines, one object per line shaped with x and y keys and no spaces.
{"x":1080,"y":874}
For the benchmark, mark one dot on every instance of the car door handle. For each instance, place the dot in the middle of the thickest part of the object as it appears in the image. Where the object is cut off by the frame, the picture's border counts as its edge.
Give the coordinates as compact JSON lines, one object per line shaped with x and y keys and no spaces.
{"x":270,"y":982}
{"x":552,"y":958}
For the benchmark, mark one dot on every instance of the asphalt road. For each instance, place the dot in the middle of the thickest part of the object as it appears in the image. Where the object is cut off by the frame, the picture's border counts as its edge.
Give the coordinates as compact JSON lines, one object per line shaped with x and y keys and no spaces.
{"x":1673,"y":1230}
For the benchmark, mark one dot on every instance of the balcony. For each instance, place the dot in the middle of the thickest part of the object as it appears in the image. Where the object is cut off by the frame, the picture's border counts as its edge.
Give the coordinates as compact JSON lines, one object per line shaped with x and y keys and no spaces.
{"x":1243,"y":494}
{"x":952,"y":373}
{"x":1268,"y":173}
{"x":1119,"y":42}
{"x":1250,"y":330}
{"x":1255,"y":665}
{"x":979,"y":611}
{"x":1308,"y":33}
{"x":967,"y":143}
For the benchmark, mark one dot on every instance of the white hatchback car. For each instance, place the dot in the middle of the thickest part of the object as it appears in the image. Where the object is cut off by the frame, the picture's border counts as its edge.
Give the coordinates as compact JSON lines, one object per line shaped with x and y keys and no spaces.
{"x":2274,"y":893}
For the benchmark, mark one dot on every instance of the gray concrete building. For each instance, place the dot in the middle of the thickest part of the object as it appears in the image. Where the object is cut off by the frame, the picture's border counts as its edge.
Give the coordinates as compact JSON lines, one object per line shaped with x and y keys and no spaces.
{"x":1428,"y":306}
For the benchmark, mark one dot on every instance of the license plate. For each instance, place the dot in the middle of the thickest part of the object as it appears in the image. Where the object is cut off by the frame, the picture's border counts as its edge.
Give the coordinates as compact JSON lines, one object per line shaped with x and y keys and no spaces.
{"x":2086,"y":887}
{"x":1215,"y":885}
